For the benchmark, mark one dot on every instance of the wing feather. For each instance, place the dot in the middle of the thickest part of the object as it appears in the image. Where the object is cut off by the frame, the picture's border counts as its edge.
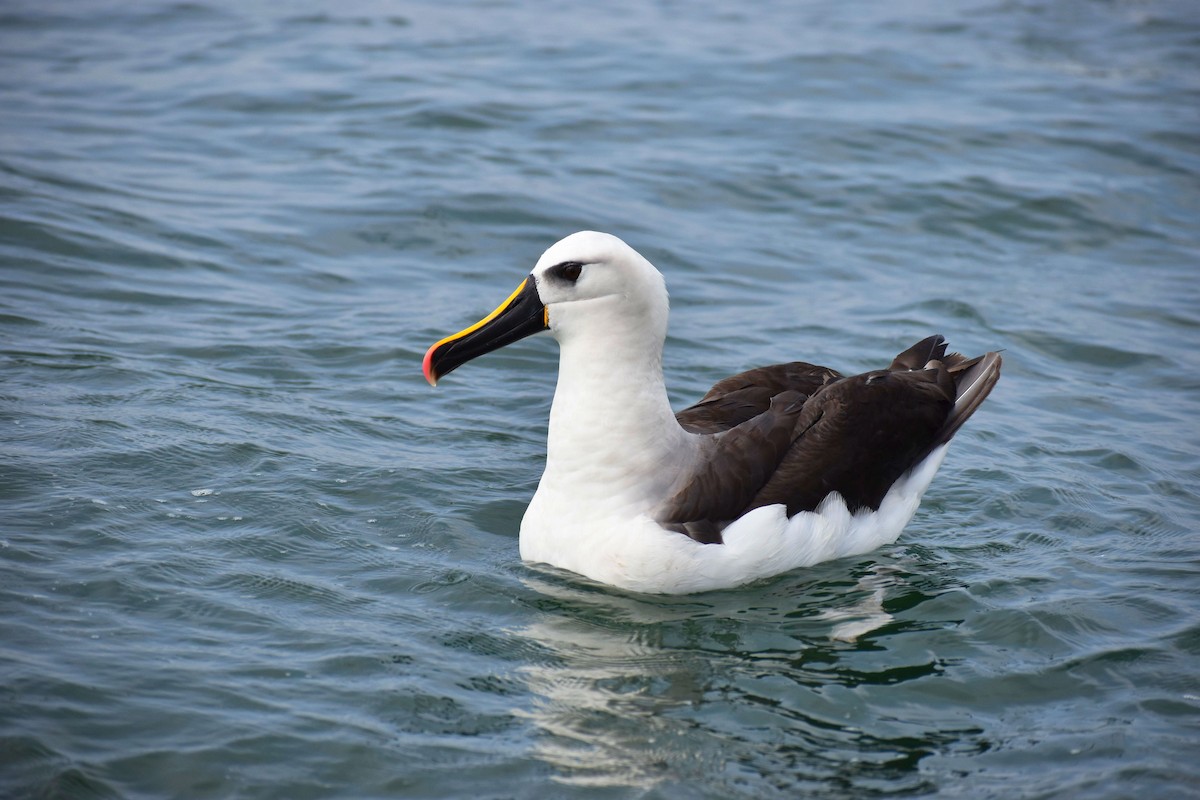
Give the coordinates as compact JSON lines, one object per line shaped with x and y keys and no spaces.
{"x":795,"y":433}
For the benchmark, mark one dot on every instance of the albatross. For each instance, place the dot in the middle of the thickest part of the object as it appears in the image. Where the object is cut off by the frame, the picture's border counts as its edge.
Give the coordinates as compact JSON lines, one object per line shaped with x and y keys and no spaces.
{"x":776,"y":468}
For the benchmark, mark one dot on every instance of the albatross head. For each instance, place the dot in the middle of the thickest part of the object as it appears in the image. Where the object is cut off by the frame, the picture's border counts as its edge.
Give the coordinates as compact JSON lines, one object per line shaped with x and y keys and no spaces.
{"x":589,"y":286}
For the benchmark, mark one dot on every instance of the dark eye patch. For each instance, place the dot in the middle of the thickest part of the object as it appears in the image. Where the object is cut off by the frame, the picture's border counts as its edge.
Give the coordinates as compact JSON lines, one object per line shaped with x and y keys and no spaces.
{"x":568,"y":271}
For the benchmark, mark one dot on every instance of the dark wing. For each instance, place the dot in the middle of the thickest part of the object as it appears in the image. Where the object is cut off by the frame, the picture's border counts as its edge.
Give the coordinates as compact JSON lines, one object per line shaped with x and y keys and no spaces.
{"x":737,"y":465}
{"x":856,"y":436}
{"x":867,"y":431}
{"x":744,"y":396}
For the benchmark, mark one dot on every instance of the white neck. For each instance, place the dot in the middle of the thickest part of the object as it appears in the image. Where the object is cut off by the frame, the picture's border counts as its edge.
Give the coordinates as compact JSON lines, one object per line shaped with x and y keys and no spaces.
{"x":611,"y":424}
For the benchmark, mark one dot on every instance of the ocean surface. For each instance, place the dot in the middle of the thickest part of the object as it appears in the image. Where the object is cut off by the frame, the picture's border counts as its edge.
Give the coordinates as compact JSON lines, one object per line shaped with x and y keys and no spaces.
{"x":246,"y":552}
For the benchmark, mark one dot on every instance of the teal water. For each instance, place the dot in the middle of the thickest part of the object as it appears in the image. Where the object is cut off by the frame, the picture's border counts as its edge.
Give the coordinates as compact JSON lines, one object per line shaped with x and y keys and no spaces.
{"x":245,"y":552}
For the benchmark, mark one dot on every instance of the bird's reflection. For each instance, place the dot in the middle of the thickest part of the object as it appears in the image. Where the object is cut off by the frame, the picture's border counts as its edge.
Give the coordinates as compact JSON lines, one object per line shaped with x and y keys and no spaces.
{"x":604,"y":696}
{"x":636,"y":690}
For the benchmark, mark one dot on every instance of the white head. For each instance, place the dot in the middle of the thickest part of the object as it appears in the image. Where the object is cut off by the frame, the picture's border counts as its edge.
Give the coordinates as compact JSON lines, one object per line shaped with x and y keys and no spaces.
{"x":591,"y":290}
{"x":595,"y":282}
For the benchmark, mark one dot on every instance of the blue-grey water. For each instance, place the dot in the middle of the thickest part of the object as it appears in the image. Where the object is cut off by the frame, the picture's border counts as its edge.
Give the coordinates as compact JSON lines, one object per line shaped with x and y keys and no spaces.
{"x":245,"y":551}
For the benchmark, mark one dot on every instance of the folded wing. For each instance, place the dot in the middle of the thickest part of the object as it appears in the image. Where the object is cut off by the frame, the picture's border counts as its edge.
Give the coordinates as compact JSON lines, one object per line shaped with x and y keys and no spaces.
{"x":795,"y":433}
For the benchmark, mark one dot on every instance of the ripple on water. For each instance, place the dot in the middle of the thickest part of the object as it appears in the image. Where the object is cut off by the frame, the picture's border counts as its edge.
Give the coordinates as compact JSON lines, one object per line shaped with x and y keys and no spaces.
{"x":247,"y":552}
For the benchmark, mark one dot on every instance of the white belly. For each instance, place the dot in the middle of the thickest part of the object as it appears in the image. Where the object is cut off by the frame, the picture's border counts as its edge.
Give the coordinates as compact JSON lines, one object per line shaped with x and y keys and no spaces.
{"x":618,"y":544}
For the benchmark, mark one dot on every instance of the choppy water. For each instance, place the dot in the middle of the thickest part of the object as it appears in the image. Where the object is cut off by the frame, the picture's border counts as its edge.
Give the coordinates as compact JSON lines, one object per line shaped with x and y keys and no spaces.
{"x":246,"y":552}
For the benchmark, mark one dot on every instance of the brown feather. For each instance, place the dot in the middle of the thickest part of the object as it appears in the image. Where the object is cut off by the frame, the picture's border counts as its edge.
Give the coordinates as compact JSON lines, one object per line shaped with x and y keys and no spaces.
{"x":744,"y":396}
{"x":795,"y":433}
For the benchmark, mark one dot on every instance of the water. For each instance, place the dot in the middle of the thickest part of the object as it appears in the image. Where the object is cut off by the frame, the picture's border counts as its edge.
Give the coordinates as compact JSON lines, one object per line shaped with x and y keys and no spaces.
{"x":246,"y":552}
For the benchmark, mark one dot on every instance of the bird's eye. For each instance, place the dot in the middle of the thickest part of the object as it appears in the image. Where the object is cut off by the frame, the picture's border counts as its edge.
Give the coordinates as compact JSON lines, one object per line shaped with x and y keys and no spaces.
{"x":569,"y":270}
